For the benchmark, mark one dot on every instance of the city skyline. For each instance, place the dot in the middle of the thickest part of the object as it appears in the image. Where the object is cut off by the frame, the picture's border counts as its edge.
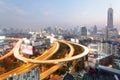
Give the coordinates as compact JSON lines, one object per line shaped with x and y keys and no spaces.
{"x":29,"y":13}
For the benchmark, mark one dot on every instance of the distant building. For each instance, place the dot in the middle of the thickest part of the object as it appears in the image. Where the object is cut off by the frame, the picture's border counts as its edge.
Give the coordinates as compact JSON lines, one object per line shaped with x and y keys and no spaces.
{"x":111,"y":32}
{"x":110,"y":18}
{"x":95,"y":30}
{"x":83,"y":31}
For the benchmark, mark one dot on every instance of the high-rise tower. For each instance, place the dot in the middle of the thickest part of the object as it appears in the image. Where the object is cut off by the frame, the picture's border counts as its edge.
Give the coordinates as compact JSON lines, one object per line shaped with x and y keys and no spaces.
{"x":111,"y":33}
{"x":110,"y":18}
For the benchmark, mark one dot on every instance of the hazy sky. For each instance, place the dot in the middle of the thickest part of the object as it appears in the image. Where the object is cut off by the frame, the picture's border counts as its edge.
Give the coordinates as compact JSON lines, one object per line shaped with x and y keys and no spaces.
{"x":40,"y":13}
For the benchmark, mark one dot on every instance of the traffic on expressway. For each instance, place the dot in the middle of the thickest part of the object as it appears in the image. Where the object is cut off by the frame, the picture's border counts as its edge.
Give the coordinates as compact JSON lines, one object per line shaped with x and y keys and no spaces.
{"x":20,"y":57}
{"x":43,"y":59}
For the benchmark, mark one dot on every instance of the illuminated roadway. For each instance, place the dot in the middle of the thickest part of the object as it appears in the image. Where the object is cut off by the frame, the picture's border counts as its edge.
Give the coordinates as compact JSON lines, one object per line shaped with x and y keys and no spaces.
{"x":11,"y":52}
{"x":56,"y":61}
{"x":57,"y":66}
{"x":28,"y":66}
{"x":44,"y":56}
{"x":6,"y":55}
{"x":43,"y":60}
{"x":20,"y":57}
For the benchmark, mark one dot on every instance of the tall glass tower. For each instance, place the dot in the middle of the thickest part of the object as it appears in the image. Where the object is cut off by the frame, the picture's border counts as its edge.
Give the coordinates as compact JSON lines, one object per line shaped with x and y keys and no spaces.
{"x":110,"y":18}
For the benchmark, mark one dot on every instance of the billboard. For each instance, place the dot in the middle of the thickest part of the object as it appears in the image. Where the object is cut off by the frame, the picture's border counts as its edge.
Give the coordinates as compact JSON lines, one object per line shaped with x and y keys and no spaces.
{"x":31,"y":75}
{"x":27,"y":49}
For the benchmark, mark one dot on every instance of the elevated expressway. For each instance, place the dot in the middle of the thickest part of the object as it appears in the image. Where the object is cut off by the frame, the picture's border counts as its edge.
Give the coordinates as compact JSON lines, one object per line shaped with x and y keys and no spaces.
{"x":58,"y":65}
{"x":20,"y":57}
{"x":54,"y":68}
{"x":58,"y":62}
{"x":42,"y":59}
{"x":11,"y":52}
{"x":67,"y":58}
{"x":28,"y":66}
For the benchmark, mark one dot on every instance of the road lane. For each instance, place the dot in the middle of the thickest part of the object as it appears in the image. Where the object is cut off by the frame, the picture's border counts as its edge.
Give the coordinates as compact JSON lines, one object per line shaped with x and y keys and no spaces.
{"x":29,"y":66}
{"x":56,"y":61}
{"x":11,"y":52}
{"x":58,"y":65}
{"x":85,"y":52}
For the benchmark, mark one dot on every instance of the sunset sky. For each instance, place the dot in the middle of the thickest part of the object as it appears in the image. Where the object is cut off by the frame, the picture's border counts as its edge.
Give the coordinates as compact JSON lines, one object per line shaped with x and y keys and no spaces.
{"x":44,"y":13}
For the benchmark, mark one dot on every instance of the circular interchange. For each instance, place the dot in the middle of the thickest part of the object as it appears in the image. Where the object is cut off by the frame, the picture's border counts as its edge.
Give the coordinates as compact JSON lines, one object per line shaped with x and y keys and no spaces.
{"x":55,"y":61}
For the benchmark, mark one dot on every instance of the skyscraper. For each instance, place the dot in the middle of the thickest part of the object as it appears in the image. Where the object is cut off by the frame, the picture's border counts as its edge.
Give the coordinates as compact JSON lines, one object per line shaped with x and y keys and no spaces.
{"x":110,"y":19}
{"x":111,"y":33}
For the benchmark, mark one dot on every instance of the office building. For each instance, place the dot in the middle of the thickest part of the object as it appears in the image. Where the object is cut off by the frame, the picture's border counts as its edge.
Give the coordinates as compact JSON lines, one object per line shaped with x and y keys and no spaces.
{"x":110,"y":18}
{"x":111,"y":32}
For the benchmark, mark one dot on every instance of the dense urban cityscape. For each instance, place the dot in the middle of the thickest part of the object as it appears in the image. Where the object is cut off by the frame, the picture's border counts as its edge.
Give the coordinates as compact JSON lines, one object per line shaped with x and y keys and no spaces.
{"x":61,"y":53}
